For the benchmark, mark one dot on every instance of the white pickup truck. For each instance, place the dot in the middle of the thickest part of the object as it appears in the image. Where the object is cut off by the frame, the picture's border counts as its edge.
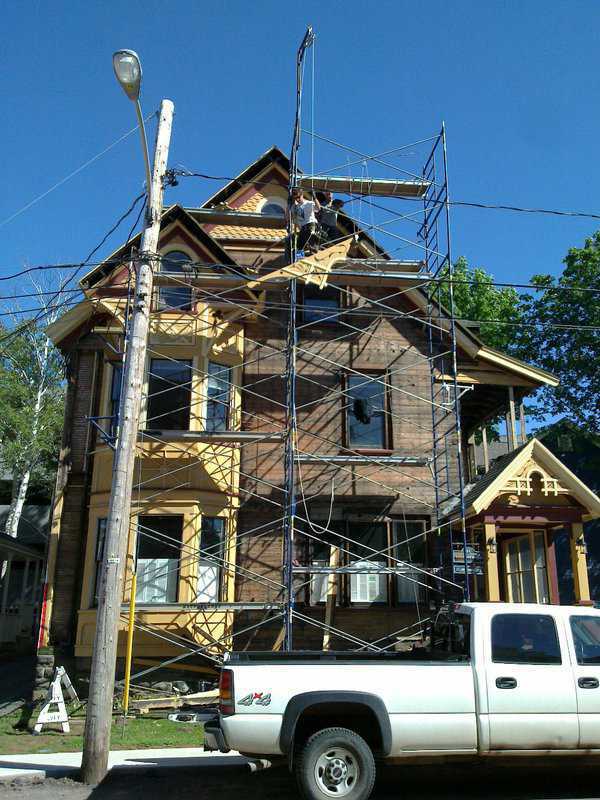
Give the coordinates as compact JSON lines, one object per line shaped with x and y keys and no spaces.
{"x":495,"y":679}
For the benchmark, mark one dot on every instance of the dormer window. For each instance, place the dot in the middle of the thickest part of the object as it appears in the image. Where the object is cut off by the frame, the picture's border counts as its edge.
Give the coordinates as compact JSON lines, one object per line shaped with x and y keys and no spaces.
{"x":176,"y":296}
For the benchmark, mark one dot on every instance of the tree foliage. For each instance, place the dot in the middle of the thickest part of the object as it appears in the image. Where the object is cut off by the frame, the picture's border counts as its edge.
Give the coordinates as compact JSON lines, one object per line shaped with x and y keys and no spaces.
{"x":31,"y":406}
{"x":570,"y":352}
{"x":476,"y":298}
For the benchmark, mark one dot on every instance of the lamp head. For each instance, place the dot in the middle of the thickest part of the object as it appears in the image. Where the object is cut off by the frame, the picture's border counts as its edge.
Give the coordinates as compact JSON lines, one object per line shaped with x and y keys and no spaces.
{"x":128,"y":71}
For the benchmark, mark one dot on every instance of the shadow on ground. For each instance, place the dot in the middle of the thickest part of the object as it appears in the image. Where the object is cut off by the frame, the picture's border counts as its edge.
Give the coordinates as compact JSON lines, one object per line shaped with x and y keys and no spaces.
{"x":567,"y":781}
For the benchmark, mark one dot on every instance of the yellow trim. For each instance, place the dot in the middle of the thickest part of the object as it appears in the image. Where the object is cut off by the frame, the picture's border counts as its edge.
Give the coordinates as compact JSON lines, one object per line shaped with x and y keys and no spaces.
{"x":492,"y":578}
{"x":579,"y":564}
{"x":539,"y":453}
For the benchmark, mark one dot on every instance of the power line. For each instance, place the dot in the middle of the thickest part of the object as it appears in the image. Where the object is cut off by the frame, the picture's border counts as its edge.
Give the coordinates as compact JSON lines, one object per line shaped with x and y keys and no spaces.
{"x":77,"y":268}
{"x":464,"y":203}
{"x":71,"y":174}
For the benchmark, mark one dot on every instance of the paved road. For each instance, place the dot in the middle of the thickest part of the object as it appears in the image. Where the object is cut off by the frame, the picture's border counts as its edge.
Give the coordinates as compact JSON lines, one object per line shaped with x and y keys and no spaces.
{"x":570,"y":781}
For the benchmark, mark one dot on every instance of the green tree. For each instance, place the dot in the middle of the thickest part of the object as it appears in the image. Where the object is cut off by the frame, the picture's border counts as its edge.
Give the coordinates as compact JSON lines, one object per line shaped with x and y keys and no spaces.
{"x":476,"y":298}
{"x":562,"y":335}
{"x":31,"y":414}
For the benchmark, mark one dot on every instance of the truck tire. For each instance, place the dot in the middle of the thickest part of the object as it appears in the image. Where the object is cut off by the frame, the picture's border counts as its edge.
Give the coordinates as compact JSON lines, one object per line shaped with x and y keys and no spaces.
{"x":335,"y":762}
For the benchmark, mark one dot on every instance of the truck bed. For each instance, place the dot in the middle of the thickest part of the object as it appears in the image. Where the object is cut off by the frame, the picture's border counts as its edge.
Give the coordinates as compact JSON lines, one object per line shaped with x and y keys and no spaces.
{"x":418,"y":655}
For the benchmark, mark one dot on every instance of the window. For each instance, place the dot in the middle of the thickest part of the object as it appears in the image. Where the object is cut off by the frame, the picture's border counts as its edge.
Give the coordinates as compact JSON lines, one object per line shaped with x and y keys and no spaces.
{"x":218,"y":397}
{"x":410,"y":546}
{"x":524,"y":639}
{"x":210,"y":563}
{"x":366,"y":412}
{"x":586,"y":638}
{"x":158,"y":554}
{"x":175,"y":297}
{"x":320,"y":305}
{"x":115,"y":397}
{"x":319,"y":556}
{"x":99,"y":556}
{"x":273,"y":208}
{"x":370,"y":586}
{"x":169,"y":394}
{"x":525,"y":564}
{"x":451,"y":633}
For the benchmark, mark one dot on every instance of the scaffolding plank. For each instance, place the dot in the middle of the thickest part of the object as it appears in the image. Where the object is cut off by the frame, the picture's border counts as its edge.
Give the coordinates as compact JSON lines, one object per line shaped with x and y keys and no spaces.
{"x":217,"y":437}
{"x":316,"y":458}
{"x":365,"y":186}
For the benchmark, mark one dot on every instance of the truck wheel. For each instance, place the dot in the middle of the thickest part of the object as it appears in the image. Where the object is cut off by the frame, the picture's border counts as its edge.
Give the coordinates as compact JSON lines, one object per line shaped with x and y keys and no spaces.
{"x":335,"y":762}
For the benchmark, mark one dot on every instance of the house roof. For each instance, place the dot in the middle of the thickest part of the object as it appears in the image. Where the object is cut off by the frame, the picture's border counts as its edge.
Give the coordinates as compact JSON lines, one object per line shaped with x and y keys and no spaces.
{"x":33,"y":525}
{"x":174,"y":213}
{"x":479,"y":495}
{"x":466,"y":338}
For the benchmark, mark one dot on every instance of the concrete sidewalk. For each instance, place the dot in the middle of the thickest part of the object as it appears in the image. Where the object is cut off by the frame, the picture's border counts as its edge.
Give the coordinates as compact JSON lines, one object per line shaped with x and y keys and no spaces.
{"x":37,"y":767}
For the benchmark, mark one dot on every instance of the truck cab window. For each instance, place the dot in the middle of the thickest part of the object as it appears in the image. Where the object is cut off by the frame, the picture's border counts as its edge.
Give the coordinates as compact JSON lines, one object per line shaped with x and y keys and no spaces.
{"x":451,"y":635}
{"x":525,"y":639}
{"x":586,"y":638}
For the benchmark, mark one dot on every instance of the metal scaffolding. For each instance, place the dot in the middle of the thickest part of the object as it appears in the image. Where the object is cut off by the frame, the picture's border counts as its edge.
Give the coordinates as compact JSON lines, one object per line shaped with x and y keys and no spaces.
{"x":415,"y":290}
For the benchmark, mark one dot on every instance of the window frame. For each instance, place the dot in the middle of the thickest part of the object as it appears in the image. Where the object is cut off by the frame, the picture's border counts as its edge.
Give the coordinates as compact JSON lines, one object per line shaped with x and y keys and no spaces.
{"x":177,"y":579}
{"x":159,"y":304}
{"x":581,"y":661}
{"x":519,"y":537}
{"x":275,"y":201}
{"x":344,"y":588}
{"x":153,"y":421}
{"x":306,"y":323}
{"x":229,"y":405}
{"x":537,"y":662}
{"x":347,"y":401}
{"x":99,"y":545}
{"x":219,"y":564}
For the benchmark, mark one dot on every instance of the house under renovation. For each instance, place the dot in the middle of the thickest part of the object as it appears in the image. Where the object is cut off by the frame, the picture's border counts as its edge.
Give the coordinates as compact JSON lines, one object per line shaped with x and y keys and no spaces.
{"x":302,"y":475}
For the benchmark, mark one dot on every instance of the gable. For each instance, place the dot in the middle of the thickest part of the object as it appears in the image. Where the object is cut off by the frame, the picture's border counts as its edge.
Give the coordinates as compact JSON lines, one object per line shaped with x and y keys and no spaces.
{"x":530,"y":475}
{"x":174,"y":217}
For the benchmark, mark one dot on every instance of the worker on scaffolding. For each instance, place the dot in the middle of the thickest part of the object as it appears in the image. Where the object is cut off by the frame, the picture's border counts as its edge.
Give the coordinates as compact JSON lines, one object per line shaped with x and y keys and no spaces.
{"x":327,"y":215}
{"x":304,"y":215}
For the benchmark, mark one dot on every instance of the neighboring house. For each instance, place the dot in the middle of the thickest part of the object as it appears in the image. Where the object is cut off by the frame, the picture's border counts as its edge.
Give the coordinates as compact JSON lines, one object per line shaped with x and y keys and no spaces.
{"x":208,"y":486}
{"x":22,"y":560}
{"x":579,"y":450}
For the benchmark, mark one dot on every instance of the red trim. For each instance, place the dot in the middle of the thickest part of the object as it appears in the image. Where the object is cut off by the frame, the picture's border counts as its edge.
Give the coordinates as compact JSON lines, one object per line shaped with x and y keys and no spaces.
{"x":180,"y":233}
{"x":43,"y":616}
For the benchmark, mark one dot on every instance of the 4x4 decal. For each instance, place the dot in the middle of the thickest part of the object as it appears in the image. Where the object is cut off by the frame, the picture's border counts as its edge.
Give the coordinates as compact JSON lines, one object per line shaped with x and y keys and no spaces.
{"x":255,"y":698}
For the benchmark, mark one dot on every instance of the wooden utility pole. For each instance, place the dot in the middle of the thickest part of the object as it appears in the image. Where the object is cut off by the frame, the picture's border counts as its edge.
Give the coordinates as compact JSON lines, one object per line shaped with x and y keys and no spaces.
{"x":96,"y":743}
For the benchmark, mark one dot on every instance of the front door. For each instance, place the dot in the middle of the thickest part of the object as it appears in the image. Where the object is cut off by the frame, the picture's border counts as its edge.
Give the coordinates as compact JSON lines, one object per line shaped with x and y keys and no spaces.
{"x":525,"y":568}
{"x":530,"y":690}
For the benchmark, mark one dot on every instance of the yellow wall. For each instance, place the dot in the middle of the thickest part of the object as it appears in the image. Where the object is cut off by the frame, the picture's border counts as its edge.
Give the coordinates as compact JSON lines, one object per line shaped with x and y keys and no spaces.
{"x":191,"y":479}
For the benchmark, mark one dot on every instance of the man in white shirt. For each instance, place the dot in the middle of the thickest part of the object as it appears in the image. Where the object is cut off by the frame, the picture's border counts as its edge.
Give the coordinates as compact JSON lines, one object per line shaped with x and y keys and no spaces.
{"x":304,"y":214}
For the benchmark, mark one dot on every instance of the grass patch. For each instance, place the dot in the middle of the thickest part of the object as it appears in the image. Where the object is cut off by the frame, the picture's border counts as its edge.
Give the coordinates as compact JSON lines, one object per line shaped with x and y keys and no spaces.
{"x":136,"y":733}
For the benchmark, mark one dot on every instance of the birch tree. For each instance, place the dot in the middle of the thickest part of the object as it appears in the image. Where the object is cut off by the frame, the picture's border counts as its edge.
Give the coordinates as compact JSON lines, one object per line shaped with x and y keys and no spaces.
{"x":31,"y":404}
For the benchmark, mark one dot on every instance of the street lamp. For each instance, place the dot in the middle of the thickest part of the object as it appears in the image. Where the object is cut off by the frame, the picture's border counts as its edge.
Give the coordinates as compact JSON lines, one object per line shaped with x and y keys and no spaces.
{"x":128,"y":71}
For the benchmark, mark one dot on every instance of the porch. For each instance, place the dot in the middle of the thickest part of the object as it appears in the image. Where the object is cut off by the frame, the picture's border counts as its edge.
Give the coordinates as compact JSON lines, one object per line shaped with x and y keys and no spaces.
{"x":516,"y":514}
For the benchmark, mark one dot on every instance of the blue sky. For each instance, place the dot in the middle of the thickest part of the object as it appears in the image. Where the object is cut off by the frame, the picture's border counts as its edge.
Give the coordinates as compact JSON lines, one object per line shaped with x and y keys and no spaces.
{"x":517,"y":84}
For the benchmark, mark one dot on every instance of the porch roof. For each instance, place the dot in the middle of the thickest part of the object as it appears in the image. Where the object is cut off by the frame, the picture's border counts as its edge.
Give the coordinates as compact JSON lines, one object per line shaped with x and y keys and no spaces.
{"x":510,"y":474}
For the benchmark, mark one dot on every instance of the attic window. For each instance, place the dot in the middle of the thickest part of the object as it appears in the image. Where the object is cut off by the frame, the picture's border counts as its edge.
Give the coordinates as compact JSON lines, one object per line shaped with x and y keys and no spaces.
{"x":175,"y":297}
{"x":175,"y":261}
{"x":273,"y":208}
